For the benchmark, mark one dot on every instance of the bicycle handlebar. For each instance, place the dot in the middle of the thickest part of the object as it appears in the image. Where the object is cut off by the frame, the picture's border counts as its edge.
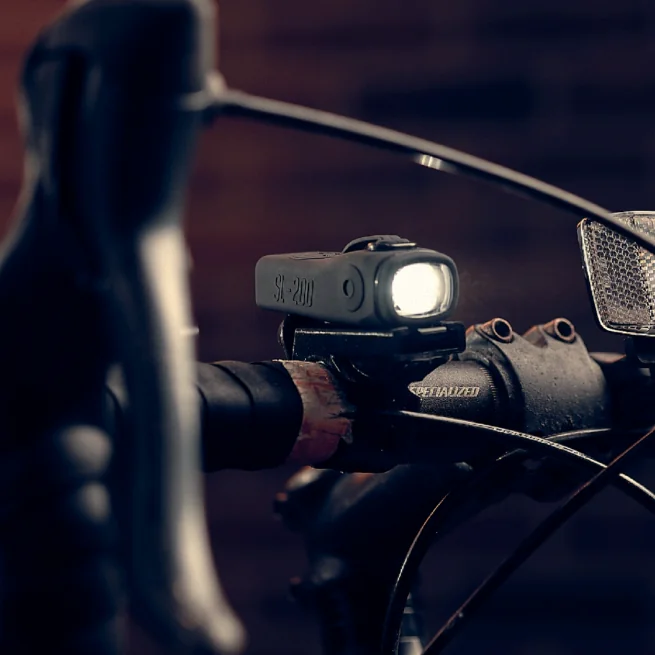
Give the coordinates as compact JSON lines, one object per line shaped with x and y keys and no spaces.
{"x":254,"y":415}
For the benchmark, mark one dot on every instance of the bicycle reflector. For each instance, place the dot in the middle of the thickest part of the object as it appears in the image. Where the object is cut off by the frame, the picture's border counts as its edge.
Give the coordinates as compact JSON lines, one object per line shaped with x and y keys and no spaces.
{"x":377,"y":282}
{"x":620,"y":274}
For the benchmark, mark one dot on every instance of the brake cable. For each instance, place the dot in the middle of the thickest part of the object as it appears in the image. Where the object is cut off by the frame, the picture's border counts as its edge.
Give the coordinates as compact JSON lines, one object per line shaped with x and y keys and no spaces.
{"x":413,"y":446}
{"x":532,"y":542}
{"x":231,"y":102}
{"x":486,"y":480}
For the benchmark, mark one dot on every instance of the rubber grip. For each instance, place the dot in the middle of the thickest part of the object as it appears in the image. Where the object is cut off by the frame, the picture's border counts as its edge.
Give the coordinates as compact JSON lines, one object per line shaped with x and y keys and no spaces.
{"x":60,"y":590}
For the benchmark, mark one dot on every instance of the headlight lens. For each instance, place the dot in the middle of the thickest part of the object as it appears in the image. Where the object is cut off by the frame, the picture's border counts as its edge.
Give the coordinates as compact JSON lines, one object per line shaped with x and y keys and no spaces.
{"x":422,"y":289}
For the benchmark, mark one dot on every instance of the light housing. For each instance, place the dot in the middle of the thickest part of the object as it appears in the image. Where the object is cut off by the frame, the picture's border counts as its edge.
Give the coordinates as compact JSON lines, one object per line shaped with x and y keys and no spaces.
{"x":379,"y":282}
{"x":620,"y":274}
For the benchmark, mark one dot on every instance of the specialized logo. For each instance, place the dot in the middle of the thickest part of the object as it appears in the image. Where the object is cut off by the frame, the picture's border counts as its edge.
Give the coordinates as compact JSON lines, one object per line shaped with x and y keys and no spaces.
{"x":445,"y":392}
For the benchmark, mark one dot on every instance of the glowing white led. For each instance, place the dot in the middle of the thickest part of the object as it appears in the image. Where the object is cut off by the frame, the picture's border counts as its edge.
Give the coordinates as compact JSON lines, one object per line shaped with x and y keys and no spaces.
{"x":422,"y":289}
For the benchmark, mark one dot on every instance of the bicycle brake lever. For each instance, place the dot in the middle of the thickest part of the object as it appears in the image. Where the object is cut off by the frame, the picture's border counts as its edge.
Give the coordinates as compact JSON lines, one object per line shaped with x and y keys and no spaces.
{"x":113,"y":93}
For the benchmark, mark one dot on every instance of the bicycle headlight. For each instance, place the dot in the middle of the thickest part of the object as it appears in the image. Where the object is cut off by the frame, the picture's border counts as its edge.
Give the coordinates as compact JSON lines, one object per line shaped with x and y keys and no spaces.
{"x":376,"y":282}
{"x":422,"y":289}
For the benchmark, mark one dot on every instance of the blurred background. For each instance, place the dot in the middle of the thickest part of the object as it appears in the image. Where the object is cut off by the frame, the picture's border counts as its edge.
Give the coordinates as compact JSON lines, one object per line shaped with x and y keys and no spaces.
{"x":560,"y":89}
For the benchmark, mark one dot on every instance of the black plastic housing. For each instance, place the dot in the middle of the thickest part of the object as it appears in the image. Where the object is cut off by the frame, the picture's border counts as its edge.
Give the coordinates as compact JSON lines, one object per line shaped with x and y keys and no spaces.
{"x":351,"y":288}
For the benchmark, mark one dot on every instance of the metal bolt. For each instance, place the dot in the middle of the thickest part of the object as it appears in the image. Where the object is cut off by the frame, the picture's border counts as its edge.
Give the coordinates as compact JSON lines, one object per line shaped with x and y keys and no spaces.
{"x":561,"y":329}
{"x":498,"y":329}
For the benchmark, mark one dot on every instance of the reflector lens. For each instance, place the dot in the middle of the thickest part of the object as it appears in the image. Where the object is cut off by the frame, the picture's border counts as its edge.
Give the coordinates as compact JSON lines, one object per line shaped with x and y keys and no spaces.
{"x":422,"y":289}
{"x":620,"y":274}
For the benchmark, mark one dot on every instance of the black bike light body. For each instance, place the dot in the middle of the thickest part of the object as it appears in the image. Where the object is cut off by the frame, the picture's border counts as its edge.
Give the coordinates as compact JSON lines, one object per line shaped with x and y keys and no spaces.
{"x":384,"y":285}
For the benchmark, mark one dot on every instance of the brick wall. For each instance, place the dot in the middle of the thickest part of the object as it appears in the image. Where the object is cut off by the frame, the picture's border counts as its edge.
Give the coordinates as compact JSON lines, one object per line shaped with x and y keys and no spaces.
{"x":563,"y":89}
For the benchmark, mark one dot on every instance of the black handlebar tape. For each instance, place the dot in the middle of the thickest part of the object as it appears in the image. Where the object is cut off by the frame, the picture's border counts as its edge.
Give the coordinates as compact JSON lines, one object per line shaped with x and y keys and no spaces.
{"x":251,"y":415}
{"x":255,"y":416}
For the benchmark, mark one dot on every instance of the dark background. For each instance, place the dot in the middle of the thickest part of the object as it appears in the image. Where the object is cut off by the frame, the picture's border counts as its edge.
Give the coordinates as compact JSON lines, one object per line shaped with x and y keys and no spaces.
{"x":561,"y":89}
